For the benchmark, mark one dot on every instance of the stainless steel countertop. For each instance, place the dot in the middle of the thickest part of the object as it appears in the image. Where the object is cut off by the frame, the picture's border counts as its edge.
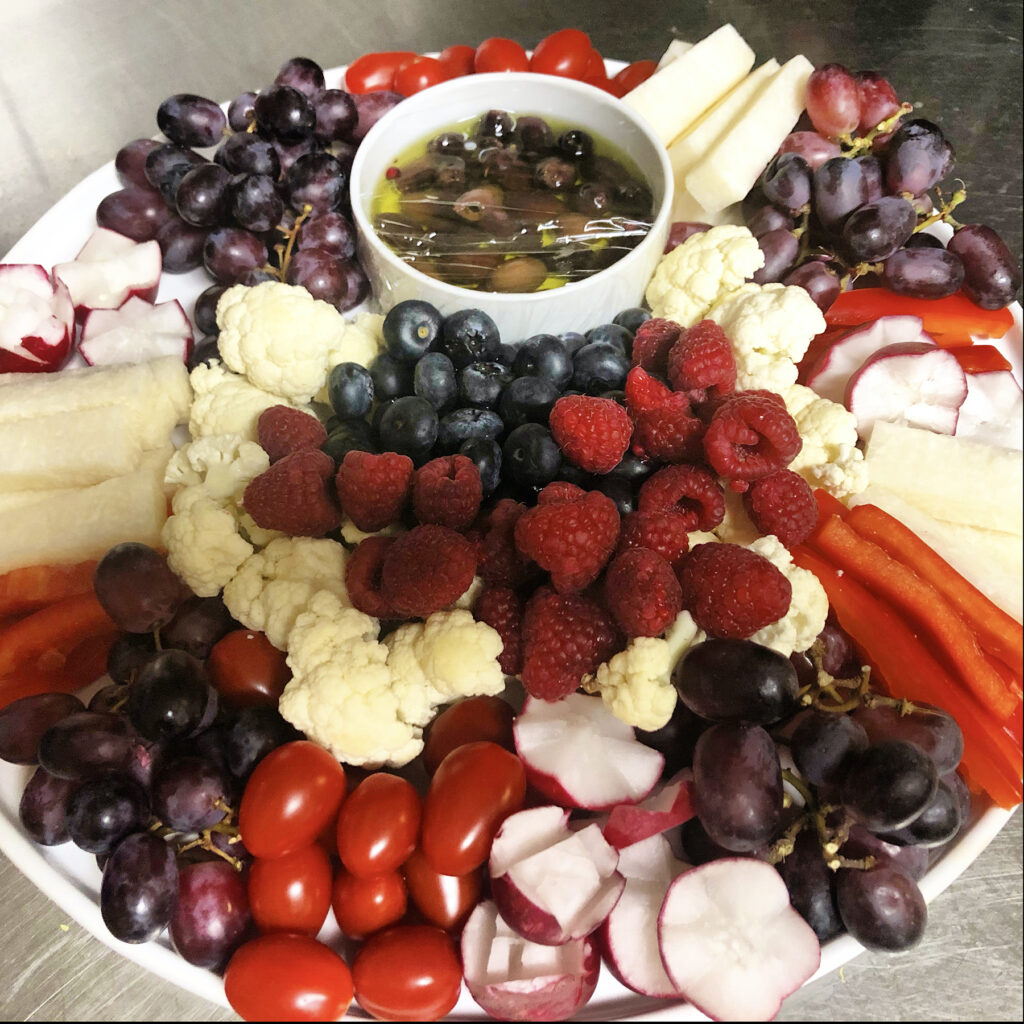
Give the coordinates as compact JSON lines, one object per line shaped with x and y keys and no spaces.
{"x":78,"y":78}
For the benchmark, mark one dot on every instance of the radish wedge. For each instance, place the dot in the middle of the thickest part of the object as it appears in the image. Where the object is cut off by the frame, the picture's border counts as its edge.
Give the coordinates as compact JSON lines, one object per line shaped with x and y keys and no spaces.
{"x":136,"y":332}
{"x":732,"y":943}
{"x":669,"y":805}
{"x":37,"y":320}
{"x":993,"y":411}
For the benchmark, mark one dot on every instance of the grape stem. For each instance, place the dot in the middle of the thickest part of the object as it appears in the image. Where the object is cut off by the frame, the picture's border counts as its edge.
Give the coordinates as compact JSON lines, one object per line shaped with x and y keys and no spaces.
{"x":946,"y":208}
{"x":284,"y":249}
{"x":861,"y":144}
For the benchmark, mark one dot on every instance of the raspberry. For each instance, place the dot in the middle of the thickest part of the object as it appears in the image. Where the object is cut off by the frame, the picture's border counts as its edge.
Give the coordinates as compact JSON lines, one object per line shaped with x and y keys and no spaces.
{"x":783,"y":504}
{"x":559,"y":492}
{"x":652,"y":343}
{"x":447,"y":491}
{"x":373,"y":489}
{"x":426,"y":569}
{"x":565,"y":637}
{"x":282,"y":430}
{"x":701,"y":363}
{"x":664,"y":427}
{"x":572,"y":540}
{"x":362,"y":577}
{"x":295,"y":495}
{"x":691,"y":491}
{"x":732,"y":591}
{"x":593,"y":432}
{"x":642,"y":593}
{"x":501,"y":565}
{"x":751,"y":436}
{"x":502,"y":610}
{"x":664,"y":531}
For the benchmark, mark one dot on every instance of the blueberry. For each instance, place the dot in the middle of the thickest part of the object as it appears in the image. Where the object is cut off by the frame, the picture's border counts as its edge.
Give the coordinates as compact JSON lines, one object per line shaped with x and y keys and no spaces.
{"x":620,"y":491}
{"x":531,"y":455}
{"x":378,"y":413}
{"x":391,"y":378}
{"x":573,"y":474}
{"x":572,"y":341}
{"x":507,"y":353}
{"x":350,"y":390}
{"x":349,"y":436}
{"x":633,"y":468}
{"x":631,"y":318}
{"x":410,"y":329}
{"x":409,"y":427}
{"x":463,"y":424}
{"x":545,"y":356}
{"x":600,"y":367}
{"x":486,"y":456}
{"x":434,"y":380}
{"x":470,"y":336}
{"x":481,"y":384}
{"x":611,"y":334}
{"x":527,"y":400}
{"x":204,"y":352}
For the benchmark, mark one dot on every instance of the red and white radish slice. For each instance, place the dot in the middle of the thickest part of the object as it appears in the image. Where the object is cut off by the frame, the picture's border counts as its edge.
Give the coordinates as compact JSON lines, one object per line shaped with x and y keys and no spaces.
{"x":37,"y":320}
{"x":628,"y":937}
{"x":515,"y":979}
{"x":732,"y":943}
{"x":914,"y":384}
{"x":551,"y":883}
{"x":849,"y":351}
{"x":668,"y":806}
{"x":136,"y":332}
{"x":993,"y":412}
{"x":578,"y":754}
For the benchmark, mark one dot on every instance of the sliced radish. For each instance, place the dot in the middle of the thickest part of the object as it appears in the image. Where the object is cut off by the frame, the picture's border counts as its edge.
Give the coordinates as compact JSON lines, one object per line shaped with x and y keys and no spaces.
{"x":669,"y":805}
{"x":578,"y":754}
{"x":849,"y":351}
{"x":136,"y":332}
{"x":37,"y":321}
{"x":915,"y":384}
{"x":993,"y":411}
{"x":732,"y":943}
{"x":551,"y":883}
{"x":515,"y":979}
{"x":628,"y":937}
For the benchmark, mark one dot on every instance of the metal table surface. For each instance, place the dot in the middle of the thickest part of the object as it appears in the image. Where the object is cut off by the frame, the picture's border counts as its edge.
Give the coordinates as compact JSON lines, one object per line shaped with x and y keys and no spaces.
{"x":78,"y":78}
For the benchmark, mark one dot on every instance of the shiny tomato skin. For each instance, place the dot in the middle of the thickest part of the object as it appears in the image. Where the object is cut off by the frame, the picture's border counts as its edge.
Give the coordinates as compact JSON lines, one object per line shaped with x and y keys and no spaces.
{"x":472,"y":719}
{"x":375,"y":71}
{"x":378,"y":825}
{"x":247,"y":670}
{"x":475,"y":789}
{"x":633,"y":74}
{"x":292,"y":794}
{"x":363,"y":906}
{"x":500,"y":54}
{"x":565,"y":53}
{"x":287,"y":977}
{"x":458,"y":60}
{"x":444,"y":900}
{"x":291,"y":893}
{"x":419,"y":74}
{"x":409,"y":972}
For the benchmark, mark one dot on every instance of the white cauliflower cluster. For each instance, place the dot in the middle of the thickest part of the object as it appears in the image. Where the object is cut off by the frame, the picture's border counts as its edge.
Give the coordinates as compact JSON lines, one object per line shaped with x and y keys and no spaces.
{"x":364,"y":338}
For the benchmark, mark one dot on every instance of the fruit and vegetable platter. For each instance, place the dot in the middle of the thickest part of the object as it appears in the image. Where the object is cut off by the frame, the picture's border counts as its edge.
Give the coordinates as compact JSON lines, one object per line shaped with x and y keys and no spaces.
{"x":362,"y":656}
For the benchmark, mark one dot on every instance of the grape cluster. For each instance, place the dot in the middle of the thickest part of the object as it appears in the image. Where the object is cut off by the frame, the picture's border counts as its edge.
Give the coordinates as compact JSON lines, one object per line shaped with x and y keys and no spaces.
{"x":272,"y":201}
{"x":852,"y":198}
{"x":797,"y":762}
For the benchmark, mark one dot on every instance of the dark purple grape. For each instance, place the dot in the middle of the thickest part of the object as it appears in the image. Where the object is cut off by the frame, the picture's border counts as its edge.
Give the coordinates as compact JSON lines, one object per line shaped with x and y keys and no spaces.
{"x":821,"y":283}
{"x":205,"y":312}
{"x":254,"y":734}
{"x":319,"y":272}
{"x":242,"y":111}
{"x":136,"y":588}
{"x":285,"y":114}
{"x":231,"y":253}
{"x":840,"y":186}
{"x":85,"y":744}
{"x":936,"y":825}
{"x":768,"y":218}
{"x":833,"y":101}
{"x":992,"y":276}
{"x":681,"y":230}
{"x":24,"y":721}
{"x":814,"y":148}
{"x":932,"y":729}
{"x":288,"y":153}
{"x":203,"y":353}
{"x":247,"y":153}
{"x":191,"y":120}
{"x":811,"y":885}
{"x":824,"y":743}
{"x":881,"y":908}
{"x":199,"y":623}
{"x":108,"y":698}
{"x":202,"y":196}
{"x":128,"y":653}
{"x":878,"y":100}
{"x":44,"y":805}
{"x":167,"y":164}
{"x":140,"y":888}
{"x":331,"y":231}
{"x":876,"y":230}
{"x":170,"y":696}
{"x":923,"y":273}
{"x":700,"y":848}
{"x":181,"y":246}
{"x":780,"y":248}
{"x":302,"y":74}
{"x":336,"y":115}
{"x":676,"y":739}
{"x":917,"y":157}
{"x":104,"y":810}
{"x":888,"y":785}
{"x":138,"y":213}
{"x":255,"y":204}
{"x":189,"y":794}
{"x":911,"y":860}
{"x":962,"y":793}
{"x":786,"y":182}
{"x":212,"y":917}
{"x":838,"y":655}
{"x":144,"y":758}
{"x":924,"y":240}
{"x":130,"y":162}
{"x":316,"y":180}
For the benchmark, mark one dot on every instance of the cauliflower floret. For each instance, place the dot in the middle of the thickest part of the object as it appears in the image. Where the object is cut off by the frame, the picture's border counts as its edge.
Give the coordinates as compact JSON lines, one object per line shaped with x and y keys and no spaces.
{"x":273,"y":586}
{"x":363,"y":339}
{"x":470,"y":595}
{"x":736,"y":527}
{"x":830,"y":457}
{"x":799,"y":627}
{"x":693,"y":276}
{"x":770,"y":327}
{"x":222,"y":463}
{"x":351,"y":534}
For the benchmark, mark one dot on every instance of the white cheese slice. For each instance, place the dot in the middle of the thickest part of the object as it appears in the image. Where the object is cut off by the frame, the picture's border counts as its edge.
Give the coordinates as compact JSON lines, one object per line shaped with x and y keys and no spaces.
{"x":673,"y":51}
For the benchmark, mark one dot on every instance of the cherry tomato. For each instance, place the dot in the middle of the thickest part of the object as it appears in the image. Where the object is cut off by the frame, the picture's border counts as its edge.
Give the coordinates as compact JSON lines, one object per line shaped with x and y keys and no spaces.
{"x":289,"y":798}
{"x":409,"y":972}
{"x":291,"y":893}
{"x":247,"y":670}
{"x":475,"y":789}
{"x":444,"y":900}
{"x":458,"y":60}
{"x":633,"y":74}
{"x":375,"y":71}
{"x":287,"y":977}
{"x":498,"y":54}
{"x":419,"y":74}
{"x":472,"y":719}
{"x":564,"y":53}
{"x":378,"y":825}
{"x":595,"y":66}
{"x":363,"y":906}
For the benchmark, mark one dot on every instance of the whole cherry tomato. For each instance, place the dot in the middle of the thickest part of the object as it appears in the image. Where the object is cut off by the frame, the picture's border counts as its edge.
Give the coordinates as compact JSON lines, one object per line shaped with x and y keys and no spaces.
{"x":287,"y":977}
{"x":499,"y":54}
{"x":247,"y":670}
{"x":409,"y":972}
{"x":289,"y":798}
{"x":363,"y":906}
{"x":565,"y":53}
{"x":378,"y":825}
{"x":458,"y":60}
{"x":472,"y":719}
{"x":291,"y":893}
{"x":633,"y":74}
{"x":444,"y":900}
{"x":375,"y":71}
{"x":419,"y":74}
{"x":475,"y":789}
{"x":595,"y":66}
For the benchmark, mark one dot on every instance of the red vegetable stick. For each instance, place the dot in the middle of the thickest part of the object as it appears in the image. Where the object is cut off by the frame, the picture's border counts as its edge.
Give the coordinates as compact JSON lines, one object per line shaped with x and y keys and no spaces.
{"x":954,"y":315}
{"x":979,"y":358}
{"x":86,"y":662}
{"x":827,"y":506}
{"x":22,"y":590}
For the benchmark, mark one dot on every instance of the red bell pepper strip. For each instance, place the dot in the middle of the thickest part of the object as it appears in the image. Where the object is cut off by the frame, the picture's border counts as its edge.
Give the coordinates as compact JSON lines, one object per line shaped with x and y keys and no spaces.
{"x":22,"y":590}
{"x":980,"y":358}
{"x":85,"y":663}
{"x":954,"y":315}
